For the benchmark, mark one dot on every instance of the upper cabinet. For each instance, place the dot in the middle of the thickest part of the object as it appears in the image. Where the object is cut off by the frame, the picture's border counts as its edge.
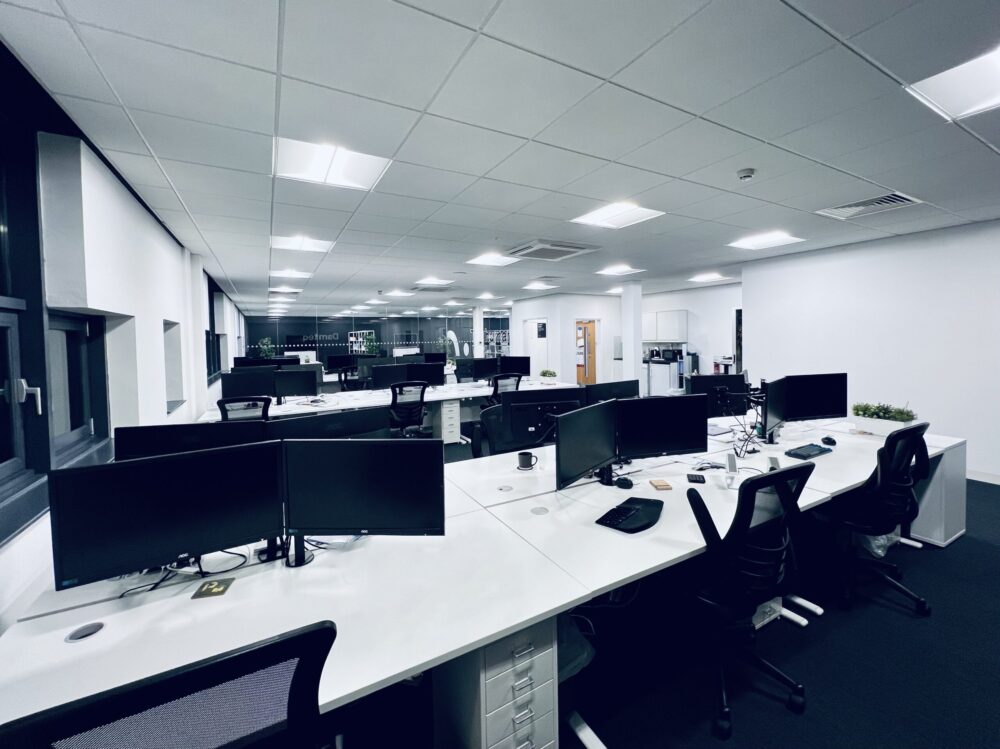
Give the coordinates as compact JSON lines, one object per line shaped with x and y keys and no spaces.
{"x":668,"y":326}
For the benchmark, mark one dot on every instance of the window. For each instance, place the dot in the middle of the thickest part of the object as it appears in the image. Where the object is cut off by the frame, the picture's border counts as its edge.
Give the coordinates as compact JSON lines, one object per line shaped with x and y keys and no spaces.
{"x":213,"y":343}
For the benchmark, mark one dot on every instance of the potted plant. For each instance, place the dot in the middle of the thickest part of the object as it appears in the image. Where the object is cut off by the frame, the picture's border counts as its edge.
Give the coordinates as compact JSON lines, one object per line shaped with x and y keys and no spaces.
{"x":548,"y":375}
{"x":266,"y":348}
{"x":881,"y":418}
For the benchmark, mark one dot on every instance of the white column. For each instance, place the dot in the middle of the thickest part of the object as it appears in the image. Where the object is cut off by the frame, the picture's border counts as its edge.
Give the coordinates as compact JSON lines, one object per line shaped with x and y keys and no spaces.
{"x":478,"y":332}
{"x":631,"y":330}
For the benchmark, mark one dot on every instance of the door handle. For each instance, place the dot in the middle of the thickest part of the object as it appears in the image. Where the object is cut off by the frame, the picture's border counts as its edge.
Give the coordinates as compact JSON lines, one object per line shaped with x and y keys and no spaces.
{"x":22,"y":390}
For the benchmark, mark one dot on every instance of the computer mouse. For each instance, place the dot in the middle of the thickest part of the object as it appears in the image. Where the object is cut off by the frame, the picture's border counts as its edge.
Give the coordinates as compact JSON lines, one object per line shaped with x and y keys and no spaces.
{"x":623,"y":482}
{"x":829,"y":441}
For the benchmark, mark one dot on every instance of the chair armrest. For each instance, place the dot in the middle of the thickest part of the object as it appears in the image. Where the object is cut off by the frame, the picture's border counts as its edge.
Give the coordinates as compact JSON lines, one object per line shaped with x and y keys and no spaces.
{"x":477,"y":440}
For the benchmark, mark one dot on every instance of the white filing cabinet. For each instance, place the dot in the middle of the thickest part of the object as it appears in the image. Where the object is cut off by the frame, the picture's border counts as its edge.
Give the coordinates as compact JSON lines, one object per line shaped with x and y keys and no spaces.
{"x":446,"y":419}
{"x":942,"y":499}
{"x":503,"y":695}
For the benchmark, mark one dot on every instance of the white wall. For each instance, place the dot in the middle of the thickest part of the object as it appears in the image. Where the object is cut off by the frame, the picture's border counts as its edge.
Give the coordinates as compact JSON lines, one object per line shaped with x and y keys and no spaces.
{"x":710,"y":318}
{"x":912,"y":320}
{"x":561,"y":311}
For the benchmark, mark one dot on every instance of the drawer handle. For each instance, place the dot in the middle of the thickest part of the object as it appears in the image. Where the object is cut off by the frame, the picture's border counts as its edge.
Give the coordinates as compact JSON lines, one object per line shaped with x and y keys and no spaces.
{"x":524,"y":683}
{"x":529,"y":744}
{"x":524,"y":715}
{"x":529,"y":648}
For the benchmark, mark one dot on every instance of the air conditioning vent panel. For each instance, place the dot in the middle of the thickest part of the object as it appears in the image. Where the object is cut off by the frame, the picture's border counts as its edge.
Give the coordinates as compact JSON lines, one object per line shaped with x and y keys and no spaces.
{"x":552,"y":250}
{"x":882,"y":203}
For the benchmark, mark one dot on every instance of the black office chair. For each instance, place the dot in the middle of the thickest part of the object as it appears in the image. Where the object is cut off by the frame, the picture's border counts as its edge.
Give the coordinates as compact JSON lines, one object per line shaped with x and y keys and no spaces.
{"x":248,"y":407}
{"x":887,"y":500}
{"x":497,"y":434}
{"x":406,"y":412}
{"x":262,"y":695}
{"x":502,"y":383}
{"x":748,"y":567}
{"x":347,"y":382}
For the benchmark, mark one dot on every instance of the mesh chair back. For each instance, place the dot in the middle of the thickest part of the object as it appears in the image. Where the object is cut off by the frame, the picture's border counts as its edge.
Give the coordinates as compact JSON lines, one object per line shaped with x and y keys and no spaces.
{"x":498,"y":432}
{"x":407,"y":407}
{"x":889,"y":498}
{"x":503,"y":383}
{"x":266,"y":690}
{"x":236,"y":409}
{"x":753,"y":558}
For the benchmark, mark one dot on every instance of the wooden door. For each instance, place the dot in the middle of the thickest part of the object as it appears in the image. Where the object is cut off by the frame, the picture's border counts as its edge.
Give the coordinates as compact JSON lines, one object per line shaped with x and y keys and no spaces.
{"x":586,"y":352}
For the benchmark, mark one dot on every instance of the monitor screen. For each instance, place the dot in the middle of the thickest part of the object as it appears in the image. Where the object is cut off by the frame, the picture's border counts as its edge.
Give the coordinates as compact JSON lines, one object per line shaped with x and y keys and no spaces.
{"x":607,"y":391}
{"x":672,"y":425}
{"x":815,"y":396}
{"x":463,"y":369}
{"x":380,"y":487}
{"x":720,"y":402}
{"x":290,"y":382}
{"x":775,"y":395}
{"x":432,"y":374}
{"x":436,"y":358}
{"x":164,"y":439}
{"x":384,"y":375}
{"x":370,"y":422}
{"x":585,"y":441}
{"x":339,"y":361}
{"x":365,"y":364}
{"x":125,"y":517}
{"x":483,"y":369}
{"x":238,"y":384}
{"x":516,"y":365}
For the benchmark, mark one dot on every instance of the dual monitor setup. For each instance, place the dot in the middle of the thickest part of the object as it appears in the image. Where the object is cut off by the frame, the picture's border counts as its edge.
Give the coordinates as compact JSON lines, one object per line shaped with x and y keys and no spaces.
{"x":802,"y":398}
{"x":251,"y":381}
{"x":146,"y":513}
{"x":335,"y":362}
{"x":482,"y":369}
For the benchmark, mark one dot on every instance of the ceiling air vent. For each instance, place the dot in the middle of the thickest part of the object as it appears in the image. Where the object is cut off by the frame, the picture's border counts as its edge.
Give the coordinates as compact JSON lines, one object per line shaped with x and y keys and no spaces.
{"x":552,"y":250}
{"x":888,"y":202}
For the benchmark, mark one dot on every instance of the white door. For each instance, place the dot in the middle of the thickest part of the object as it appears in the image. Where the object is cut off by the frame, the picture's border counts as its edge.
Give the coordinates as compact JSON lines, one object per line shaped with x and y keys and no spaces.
{"x":536,"y":344}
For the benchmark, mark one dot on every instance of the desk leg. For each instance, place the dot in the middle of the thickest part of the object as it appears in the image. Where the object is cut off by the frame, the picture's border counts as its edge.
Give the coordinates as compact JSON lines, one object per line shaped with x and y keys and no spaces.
{"x":942,"y":500}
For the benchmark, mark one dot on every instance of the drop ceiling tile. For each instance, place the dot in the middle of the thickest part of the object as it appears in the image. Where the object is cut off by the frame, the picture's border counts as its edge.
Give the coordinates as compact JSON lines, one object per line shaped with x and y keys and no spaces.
{"x":320,"y":115}
{"x":848,"y":17}
{"x":768,"y":161}
{"x":690,"y":147}
{"x":821,"y":87}
{"x":316,"y":195}
{"x":137,"y":169}
{"x":61,"y":64}
{"x":807,"y":180}
{"x":381,"y":224}
{"x":433,"y":230}
{"x":227,"y":205}
{"x":948,"y":179}
{"x":498,"y":196}
{"x":940,"y":140}
{"x":443,"y":144}
{"x":375,"y":48}
{"x":720,"y":206}
{"x":159,"y":198}
{"x":304,"y":261}
{"x":674,"y":195}
{"x":728,"y":41}
{"x":170,"y":81}
{"x":368,"y":238}
{"x":983,"y":213}
{"x":611,"y":122}
{"x":557,"y":205}
{"x":546,"y":167}
{"x":236,"y":239}
{"x":465,"y":215}
{"x":614,"y":182}
{"x":895,"y":216}
{"x":398,"y":206}
{"x":830,"y":193}
{"x":929,"y":37}
{"x":468,"y":12}
{"x":423,"y":182}
{"x":300,"y":214}
{"x":45,"y":6}
{"x":535,"y":225}
{"x":797,"y":223}
{"x":191,"y":24}
{"x":177,"y":220}
{"x":234,"y":225}
{"x":986,"y":125}
{"x":184,"y":140}
{"x":106,"y":125}
{"x":507,"y":89}
{"x":218,"y":181}
{"x":926,"y":224}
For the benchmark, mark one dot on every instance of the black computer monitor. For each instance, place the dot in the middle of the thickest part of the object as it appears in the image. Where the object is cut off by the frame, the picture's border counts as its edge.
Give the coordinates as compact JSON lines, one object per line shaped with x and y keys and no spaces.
{"x":726,"y":393}
{"x":669,"y":425}
{"x":364,"y":422}
{"x":436,"y":358}
{"x":530,"y":414}
{"x":775,"y":396}
{"x":607,"y":391}
{"x":380,"y":487}
{"x":815,"y":396}
{"x":164,"y":439}
{"x":410,"y":359}
{"x":119,"y":518}
{"x":365,"y":365}
{"x":585,"y":442}
{"x":384,"y":375}
{"x":463,"y":369}
{"x":516,"y":365}
{"x":290,"y":382}
{"x":238,"y":384}
{"x":339,"y":361}
{"x":483,"y":369}
{"x":432,"y":374}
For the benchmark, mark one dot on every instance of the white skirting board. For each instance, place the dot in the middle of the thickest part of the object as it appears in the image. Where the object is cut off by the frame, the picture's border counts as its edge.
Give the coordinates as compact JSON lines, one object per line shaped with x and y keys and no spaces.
{"x":989,"y":478}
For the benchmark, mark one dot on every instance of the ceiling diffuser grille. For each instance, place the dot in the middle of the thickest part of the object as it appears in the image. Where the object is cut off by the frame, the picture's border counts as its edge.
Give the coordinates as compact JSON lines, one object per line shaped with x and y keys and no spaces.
{"x":550,"y":249}
{"x":866,"y":207}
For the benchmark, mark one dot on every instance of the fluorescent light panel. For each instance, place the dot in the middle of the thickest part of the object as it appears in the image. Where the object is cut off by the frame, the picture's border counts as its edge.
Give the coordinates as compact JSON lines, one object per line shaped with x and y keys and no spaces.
{"x":399,"y":292}
{"x":617,"y":216}
{"x":281,"y":299}
{"x":964,"y":90}
{"x":708,"y":277}
{"x":428,"y":309}
{"x":614,"y":290}
{"x":494,"y":259}
{"x":289,"y":273}
{"x":434,"y":281}
{"x":620,"y":269}
{"x":452,"y":303}
{"x":284,"y":290}
{"x":764,"y":241}
{"x":539,"y":286}
{"x":486,"y":295}
{"x":301,"y":243}
{"x":327,"y":164}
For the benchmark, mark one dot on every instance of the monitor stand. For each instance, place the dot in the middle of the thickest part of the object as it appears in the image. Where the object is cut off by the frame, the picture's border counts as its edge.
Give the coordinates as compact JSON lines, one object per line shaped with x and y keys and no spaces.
{"x":606,"y":475}
{"x":272,"y":552}
{"x":298,"y":555}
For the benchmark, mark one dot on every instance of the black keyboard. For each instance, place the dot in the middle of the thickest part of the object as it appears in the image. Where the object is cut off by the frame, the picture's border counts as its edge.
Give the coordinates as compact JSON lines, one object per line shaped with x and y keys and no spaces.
{"x":614,"y":517}
{"x":808,"y":452}
{"x":633,"y":515}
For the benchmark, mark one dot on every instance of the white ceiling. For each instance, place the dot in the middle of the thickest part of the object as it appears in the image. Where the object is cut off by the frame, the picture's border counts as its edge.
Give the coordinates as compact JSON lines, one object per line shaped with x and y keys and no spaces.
{"x":506,"y":118}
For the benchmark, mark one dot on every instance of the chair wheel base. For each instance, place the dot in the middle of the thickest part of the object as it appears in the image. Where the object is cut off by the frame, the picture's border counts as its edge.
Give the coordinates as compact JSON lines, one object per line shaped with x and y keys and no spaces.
{"x":797,"y":701}
{"x":923,"y":608}
{"x":722,"y":727}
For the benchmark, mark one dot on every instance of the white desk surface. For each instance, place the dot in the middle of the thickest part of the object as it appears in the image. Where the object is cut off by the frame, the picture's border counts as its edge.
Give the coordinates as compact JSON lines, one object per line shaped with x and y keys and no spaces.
{"x":401,"y":605}
{"x":370,"y":398}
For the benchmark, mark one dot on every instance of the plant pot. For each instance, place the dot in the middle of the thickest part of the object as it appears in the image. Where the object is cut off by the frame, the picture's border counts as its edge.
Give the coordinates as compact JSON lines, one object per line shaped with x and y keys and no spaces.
{"x":547,"y":380}
{"x":880,"y":427}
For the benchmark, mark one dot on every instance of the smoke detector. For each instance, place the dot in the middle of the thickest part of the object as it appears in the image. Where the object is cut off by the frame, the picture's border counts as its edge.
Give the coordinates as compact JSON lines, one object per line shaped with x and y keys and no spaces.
{"x":745,"y":175}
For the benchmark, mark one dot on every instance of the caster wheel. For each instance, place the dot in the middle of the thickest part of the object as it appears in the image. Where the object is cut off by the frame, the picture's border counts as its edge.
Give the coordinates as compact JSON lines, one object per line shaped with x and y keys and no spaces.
{"x":797,"y":700}
{"x":923,"y":608}
{"x":722,"y":728}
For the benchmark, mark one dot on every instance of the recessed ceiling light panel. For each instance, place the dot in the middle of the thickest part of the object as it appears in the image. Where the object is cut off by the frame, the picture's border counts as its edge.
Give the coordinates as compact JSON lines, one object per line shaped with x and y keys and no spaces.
{"x":289,"y":273}
{"x":434,"y":281}
{"x":764,"y":241}
{"x":326,"y":164}
{"x":620,"y":269}
{"x":708,"y":277}
{"x":301,"y":243}
{"x":398,"y":292}
{"x":964,"y":90}
{"x":614,"y":290}
{"x":539,"y":286}
{"x":486,"y":295}
{"x":617,"y":216}
{"x":494,"y":259}
{"x":284,"y":290}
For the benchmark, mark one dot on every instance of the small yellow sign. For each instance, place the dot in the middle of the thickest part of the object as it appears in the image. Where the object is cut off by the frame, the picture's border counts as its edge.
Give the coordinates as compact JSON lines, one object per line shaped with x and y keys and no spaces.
{"x":212,"y":588}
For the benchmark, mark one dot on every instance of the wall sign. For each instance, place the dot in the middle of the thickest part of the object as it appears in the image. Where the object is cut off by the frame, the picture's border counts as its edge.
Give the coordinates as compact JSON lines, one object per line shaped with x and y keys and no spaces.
{"x":541,"y":330}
